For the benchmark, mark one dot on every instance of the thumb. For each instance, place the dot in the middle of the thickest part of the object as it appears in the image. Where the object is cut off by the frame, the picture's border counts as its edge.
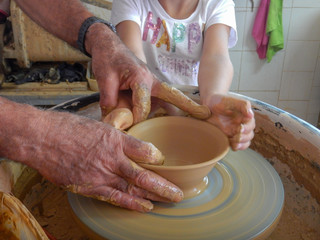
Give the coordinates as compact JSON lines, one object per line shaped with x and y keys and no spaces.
{"x":108,"y":95}
{"x":141,"y":101}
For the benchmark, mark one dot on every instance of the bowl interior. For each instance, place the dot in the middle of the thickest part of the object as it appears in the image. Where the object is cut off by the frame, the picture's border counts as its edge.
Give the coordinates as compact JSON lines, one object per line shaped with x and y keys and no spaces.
{"x":185,"y":142}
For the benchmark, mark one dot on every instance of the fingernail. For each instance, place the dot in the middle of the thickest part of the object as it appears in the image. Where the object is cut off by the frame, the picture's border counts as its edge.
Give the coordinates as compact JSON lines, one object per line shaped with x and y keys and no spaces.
{"x":176,"y":196}
{"x":172,"y":193}
{"x":156,"y":155}
{"x":146,"y":205}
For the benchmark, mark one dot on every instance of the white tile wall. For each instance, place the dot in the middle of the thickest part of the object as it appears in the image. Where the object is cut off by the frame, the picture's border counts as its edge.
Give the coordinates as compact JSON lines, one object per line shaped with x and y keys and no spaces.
{"x":249,"y":43}
{"x":301,"y":56}
{"x":306,"y":3}
{"x":259,"y":75}
{"x":241,"y":21}
{"x":288,"y":3}
{"x":316,"y":80}
{"x":236,"y":60}
{"x":291,"y":81}
{"x":314,"y":104}
{"x":298,"y":108}
{"x":265,"y":96}
{"x":304,"y":25}
{"x":296,"y":86}
{"x":240,"y":3}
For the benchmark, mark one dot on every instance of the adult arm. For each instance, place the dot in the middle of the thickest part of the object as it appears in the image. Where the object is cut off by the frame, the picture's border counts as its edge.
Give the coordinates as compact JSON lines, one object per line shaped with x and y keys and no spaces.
{"x":59,"y":17}
{"x":115,"y":67}
{"x":84,"y":156}
{"x":233,"y":116}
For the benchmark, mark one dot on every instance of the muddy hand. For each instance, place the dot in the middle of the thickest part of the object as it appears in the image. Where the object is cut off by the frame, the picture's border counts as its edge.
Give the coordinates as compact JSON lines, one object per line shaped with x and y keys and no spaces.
{"x":121,"y":70}
{"x":235,"y":118}
{"x":119,"y":180}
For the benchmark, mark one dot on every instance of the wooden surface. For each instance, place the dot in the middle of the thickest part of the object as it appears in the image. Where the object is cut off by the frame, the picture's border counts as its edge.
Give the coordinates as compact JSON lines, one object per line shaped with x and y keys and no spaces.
{"x":44,"y":93}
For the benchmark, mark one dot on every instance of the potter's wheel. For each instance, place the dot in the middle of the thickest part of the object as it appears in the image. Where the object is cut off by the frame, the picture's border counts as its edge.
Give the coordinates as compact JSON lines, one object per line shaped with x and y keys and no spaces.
{"x":244,"y":200}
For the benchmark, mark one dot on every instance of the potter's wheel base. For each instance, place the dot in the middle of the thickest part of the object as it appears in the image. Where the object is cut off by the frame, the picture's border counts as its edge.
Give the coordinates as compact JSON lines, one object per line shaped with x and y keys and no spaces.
{"x":243,"y":200}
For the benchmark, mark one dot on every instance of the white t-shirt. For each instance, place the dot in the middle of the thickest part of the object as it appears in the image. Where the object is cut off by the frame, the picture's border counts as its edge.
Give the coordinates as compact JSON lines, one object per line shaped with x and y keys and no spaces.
{"x":173,"y":46}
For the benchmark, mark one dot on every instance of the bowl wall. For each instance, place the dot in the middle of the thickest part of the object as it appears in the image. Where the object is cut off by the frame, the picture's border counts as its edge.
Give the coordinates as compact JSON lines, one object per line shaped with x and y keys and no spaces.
{"x":184,"y":141}
{"x":191,"y":148}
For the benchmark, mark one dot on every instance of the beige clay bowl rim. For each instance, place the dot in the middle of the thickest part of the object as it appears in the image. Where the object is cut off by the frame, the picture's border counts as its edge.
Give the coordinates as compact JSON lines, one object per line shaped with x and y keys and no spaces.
{"x":217,"y":158}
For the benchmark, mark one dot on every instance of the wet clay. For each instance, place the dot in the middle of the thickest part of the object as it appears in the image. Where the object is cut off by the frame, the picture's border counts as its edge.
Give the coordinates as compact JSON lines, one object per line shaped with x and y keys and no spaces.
{"x":294,"y":152}
{"x":299,"y":172}
{"x":301,"y":214}
{"x":49,"y":205}
{"x":186,"y":104}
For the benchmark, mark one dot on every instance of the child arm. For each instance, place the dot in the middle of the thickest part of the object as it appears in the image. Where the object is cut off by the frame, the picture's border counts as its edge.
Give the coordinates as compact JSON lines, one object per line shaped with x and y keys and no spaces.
{"x":130,"y":33}
{"x":232,"y":115}
{"x":216,"y":70}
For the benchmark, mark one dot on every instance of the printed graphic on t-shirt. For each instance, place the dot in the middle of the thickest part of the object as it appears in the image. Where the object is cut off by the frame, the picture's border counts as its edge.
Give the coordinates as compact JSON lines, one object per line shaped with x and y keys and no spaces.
{"x":185,"y":37}
{"x":180,"y":33}
{"x":183,"y":67}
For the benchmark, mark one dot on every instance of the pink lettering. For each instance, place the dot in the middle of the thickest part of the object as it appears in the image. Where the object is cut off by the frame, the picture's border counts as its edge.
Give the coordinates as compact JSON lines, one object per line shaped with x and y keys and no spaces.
{"x":149,"y":25}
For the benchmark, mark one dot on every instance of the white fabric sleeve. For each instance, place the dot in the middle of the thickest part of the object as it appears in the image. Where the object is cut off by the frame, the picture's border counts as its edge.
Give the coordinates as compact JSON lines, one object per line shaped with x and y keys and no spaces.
{"x":123,"y":10}
{"x":224,"y":13}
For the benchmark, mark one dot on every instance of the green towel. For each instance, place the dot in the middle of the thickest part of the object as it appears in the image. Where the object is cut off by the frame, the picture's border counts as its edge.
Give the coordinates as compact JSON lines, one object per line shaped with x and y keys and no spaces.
{"x":274,"y":28}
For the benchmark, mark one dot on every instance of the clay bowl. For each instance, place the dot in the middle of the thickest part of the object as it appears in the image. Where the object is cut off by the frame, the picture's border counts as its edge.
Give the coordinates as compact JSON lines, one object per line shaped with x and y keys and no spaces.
{"x":191,"y":148}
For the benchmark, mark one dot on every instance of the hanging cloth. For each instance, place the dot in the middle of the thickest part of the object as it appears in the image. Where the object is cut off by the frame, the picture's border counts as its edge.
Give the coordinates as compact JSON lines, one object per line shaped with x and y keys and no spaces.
{"x":259,"y":29}
{"x":274,"y":28}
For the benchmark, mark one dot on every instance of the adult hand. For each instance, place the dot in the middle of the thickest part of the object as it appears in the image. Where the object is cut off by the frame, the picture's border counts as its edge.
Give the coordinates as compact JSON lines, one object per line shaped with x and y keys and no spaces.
{"x":116,"y":68}
{"x":235,"y":118}
{"x":106,"y":168}
{"x":110,"y":173}
{"x":84,"y":155}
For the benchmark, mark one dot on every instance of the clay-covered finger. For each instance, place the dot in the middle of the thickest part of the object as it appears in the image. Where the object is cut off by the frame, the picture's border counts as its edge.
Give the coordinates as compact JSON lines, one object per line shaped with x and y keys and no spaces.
{"x":142,"y":152}
{"x":108,"y":88}
{"x":176,"y":97}
{"x":139,"y":192}
{"x":117,"y":198}
{"x":150,"y":181}
{"x":141,"y":101}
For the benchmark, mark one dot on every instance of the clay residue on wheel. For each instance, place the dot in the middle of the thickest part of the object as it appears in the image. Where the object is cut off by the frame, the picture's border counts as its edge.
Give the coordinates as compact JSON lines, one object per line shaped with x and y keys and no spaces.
{"x":300,"y":219}
{"x":49,"y":205}
{"x":299,"y":154}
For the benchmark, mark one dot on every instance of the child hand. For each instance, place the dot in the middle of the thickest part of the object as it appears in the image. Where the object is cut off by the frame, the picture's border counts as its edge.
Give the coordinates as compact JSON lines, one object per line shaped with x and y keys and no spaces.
{"x":235,"y":118}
